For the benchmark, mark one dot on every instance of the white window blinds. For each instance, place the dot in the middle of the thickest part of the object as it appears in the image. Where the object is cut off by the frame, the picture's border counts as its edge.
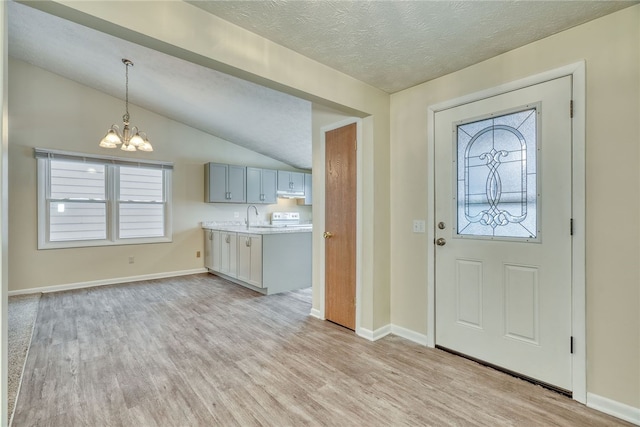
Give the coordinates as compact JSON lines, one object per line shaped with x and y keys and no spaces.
{"x":88,"y":200}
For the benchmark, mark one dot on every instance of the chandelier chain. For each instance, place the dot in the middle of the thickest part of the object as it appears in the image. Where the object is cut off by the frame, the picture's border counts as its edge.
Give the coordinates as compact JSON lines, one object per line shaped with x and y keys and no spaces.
{"x":125,"y":118}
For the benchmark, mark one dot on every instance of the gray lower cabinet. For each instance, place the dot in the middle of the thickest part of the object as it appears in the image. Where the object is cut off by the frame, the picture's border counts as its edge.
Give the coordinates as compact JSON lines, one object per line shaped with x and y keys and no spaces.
{"x":225,"y":183}
{"x":261,"y":186}
{"x":286,"y":261}
{"x":267,"y":263}
{"x":212,"y":249}
{"x":209,"y":248}
{"x":250,"y":259}
{"x":228,"y":253}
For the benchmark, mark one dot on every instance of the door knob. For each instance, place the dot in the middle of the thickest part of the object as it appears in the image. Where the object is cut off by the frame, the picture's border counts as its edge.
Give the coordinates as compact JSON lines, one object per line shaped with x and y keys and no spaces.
{"x":441,"y":242}
{"x":327,"y":235}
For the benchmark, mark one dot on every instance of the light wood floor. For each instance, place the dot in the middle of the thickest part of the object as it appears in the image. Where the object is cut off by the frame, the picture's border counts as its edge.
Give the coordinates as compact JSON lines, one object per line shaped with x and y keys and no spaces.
{"x":200,"y":351}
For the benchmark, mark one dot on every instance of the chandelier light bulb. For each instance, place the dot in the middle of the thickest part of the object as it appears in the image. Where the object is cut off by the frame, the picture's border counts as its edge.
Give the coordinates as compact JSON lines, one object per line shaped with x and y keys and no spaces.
{"x":110,"y":140}
{"x":136,"y":140}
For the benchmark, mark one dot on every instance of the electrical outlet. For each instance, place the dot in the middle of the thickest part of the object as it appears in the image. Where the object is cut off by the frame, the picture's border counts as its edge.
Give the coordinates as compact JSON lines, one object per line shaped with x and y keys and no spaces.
{"x":131,"y":260}
{"x":418,"y":226}
{"x":197,"y":254}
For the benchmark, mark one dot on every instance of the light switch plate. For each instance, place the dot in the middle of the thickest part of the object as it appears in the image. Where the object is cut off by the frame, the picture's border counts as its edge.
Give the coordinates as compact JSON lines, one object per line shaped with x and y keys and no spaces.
{"x":418,"y":226}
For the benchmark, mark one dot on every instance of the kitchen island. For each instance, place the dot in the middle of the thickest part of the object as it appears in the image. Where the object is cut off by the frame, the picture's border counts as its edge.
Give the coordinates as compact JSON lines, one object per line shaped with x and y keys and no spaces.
{"x":263,"y":258}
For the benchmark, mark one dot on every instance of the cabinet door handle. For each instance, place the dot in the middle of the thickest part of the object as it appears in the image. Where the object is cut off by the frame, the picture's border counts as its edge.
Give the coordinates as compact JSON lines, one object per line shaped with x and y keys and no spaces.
{"x":227,"y":239}
{"x":210,"y":234}
{"x":247,"y":242}
{"x":230,"y":196}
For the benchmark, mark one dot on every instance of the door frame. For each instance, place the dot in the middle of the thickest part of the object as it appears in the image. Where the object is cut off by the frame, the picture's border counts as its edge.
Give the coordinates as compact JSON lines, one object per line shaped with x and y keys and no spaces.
{"x":578,"y":246}
{"x":319,"y":219}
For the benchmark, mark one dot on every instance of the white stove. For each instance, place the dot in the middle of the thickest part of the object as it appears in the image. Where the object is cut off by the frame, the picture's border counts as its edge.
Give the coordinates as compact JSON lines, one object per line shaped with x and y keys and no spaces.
{"x":285,"y":219}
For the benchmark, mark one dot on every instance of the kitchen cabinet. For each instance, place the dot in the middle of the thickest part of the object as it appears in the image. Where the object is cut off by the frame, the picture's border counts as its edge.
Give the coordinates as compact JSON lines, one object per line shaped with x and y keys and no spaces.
{"x":308,"y":195}
{"x":268,"y":261}
{"x":208,"y":252}
{"x":225,"y":183}
{"x":261,"y":186}
{"x":290,"y":182}
{"x":250,"y":259}
{"x":215,"y":250}
{"x":228,"y":253}
{"x":212,"y":249}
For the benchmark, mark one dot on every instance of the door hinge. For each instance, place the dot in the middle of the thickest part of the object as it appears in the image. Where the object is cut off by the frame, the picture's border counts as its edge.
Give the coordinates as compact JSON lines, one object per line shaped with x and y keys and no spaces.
{"x":571,"y":345}
{"x":571,"y":226}
{"x":355,"y":145}
{"x":571,"y":108}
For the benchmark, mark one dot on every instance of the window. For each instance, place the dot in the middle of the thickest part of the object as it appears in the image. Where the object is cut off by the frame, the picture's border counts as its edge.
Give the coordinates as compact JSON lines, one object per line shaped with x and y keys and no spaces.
{"x":96,"y":201}
{"x":497,"y":176}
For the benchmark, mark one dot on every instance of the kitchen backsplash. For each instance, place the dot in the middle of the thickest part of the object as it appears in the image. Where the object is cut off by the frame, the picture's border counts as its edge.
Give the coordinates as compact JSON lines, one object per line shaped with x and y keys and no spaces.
{"x":230,"y":214}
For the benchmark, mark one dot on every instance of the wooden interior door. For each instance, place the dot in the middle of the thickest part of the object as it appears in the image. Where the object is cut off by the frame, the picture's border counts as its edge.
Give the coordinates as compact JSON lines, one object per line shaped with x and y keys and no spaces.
{"x":340,"y":226}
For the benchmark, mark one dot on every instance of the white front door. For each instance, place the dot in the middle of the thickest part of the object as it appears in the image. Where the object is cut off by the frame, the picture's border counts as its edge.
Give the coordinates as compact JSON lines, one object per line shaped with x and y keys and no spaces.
{"x":503,"y":233}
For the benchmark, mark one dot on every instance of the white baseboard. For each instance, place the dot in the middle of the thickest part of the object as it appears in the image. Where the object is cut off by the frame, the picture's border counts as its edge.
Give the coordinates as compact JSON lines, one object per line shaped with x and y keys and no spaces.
{"x":316,"y":313}
{"x":409,"y":334}
{"x":614,"y":408}
{"x":103,"y":282}
{"x":395,"y":330}
{"x":374,"y":335}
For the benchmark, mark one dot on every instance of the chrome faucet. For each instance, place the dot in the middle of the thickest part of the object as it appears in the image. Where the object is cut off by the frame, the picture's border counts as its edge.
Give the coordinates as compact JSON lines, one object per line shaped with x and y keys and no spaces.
{"x":254,"y":208}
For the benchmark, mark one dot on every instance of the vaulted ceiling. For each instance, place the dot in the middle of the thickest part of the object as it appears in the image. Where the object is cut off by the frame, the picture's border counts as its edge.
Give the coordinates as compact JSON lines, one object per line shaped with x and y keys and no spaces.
{"x":391,"y":45}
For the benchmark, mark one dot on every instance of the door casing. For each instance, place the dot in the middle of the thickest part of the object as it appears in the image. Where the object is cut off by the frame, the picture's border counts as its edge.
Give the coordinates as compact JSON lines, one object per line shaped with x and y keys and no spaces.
{"x":578,"y":285}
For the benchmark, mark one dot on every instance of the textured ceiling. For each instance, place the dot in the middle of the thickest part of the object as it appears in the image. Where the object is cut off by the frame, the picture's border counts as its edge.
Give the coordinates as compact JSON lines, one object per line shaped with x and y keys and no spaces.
{"x":393,"y":45}
{"x":260,"y":119}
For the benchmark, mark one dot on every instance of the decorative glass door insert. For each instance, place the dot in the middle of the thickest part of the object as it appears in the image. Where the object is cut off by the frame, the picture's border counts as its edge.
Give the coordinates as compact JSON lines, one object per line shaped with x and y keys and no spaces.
{"x":496,"y":165}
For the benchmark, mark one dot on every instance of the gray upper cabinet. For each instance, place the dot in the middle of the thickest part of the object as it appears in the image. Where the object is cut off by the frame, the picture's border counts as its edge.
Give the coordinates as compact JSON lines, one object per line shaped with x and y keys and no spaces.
{"x":225,"y":183}
{"x":291,"y":181}
{"x":261,"y":186}
{"x":270,"y":185}
{"x":307,"y":189}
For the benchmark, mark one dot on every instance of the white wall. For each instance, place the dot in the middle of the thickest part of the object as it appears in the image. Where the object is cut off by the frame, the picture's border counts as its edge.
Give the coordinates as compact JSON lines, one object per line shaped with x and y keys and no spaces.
{"x":48,"y":111}
{"x":611,"y":48}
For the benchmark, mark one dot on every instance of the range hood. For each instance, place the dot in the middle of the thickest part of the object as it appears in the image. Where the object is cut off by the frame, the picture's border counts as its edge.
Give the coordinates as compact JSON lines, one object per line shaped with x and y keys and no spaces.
{"x":289,"y":194}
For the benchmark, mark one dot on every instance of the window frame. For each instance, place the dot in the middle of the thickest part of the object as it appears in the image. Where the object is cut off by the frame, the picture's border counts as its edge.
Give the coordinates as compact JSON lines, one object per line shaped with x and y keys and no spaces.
{"x":112,"y":202}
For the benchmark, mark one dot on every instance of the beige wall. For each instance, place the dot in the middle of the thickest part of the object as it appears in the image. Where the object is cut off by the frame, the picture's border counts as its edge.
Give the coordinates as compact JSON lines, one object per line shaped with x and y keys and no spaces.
{"x":48,"y":111}
{"x":610,"y":46}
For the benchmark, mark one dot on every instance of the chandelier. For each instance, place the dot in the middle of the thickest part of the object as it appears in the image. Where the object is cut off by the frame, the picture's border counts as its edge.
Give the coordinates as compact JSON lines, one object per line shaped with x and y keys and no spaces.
{"x":130,"y":138}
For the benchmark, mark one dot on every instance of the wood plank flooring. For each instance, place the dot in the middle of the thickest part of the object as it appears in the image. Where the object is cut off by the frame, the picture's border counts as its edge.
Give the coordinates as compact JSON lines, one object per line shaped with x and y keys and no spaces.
{"x":200,"y":351}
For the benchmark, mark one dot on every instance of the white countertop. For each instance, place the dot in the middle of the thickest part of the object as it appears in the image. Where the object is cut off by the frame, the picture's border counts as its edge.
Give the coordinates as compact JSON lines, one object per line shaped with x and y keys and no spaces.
{"x":258,"y":229}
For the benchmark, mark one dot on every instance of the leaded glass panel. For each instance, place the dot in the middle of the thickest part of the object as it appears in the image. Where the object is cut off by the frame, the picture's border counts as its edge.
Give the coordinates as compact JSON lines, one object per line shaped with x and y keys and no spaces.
{"x":496,"y":176}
